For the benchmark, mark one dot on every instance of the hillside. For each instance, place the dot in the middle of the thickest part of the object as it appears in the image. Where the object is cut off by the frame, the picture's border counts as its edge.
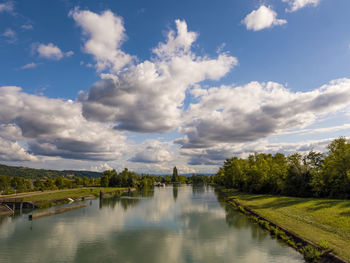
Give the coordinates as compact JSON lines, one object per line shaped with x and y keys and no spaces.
{"x":31,"y":172}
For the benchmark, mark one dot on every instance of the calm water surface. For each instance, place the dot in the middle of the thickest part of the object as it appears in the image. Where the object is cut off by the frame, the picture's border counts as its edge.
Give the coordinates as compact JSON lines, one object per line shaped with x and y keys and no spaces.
{"x":180,"y":224}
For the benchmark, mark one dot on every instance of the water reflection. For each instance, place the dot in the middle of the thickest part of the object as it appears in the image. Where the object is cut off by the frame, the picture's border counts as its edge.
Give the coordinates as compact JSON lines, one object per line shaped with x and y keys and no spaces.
{"x":175,"y":191}
{"x":199,"y":189}
{"x":171,"y":224}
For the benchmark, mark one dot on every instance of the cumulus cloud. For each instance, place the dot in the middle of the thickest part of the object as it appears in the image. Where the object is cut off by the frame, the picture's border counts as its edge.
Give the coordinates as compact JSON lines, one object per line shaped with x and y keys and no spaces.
{"x":13,"y":151}
{"x":152,"y":151}
{"x":257,"y":110}
{"x":105,"y":33}
{"x":50,"y":51}
{"x":54,"y":127}
{"x":295,"y":5}
{"x":6,"y":7}
{"x":148,"y":97}
{"x":263,"y":17}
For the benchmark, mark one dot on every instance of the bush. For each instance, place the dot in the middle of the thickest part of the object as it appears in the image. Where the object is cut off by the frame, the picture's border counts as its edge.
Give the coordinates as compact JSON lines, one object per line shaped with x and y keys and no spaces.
{"x":311,"y":254}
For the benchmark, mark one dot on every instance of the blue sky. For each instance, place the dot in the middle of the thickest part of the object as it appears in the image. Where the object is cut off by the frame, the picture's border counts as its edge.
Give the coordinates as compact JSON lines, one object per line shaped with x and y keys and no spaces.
{"x":83,"y":67}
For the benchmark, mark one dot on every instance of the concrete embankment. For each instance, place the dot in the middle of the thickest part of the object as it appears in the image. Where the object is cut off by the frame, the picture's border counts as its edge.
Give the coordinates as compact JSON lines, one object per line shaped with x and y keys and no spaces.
{"x":56,"y":211}
{"x":5,"y":210}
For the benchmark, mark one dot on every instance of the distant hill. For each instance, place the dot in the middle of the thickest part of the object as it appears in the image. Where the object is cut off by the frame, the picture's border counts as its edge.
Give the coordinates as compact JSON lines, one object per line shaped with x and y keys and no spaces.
{"x":33,"y":173}
{"x":187,"y":175}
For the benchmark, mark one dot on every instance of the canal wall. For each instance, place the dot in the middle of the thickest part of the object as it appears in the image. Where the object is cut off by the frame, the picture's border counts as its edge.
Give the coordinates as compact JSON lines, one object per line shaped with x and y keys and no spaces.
{"x":5,"y":210}
{"x":56,"y":211}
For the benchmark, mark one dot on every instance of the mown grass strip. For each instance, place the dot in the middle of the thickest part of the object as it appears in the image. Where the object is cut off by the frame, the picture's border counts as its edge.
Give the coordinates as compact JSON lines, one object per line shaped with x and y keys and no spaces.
{"x":44,"y":200}
{"x":324,"y":222}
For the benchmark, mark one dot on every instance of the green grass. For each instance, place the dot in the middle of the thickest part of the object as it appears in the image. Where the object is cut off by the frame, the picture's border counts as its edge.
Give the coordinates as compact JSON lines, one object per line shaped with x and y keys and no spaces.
{"x":72,"y":193}
{"x":318,"y":220}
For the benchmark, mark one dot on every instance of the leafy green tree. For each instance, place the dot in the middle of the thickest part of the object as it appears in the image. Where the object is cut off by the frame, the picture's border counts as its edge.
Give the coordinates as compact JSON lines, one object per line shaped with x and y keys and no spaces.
{"x":86,"y":181}
{"x":59,"y":182}
{"x":50,"y":184}
{"x":167,"y":179}
{"x":78,"y":181}
{"x":310,"y":175}
{"x":38,"y":184}
{"x":336,"y":170}
{"x":4,"y":183}
{"x":67,"y":183}
{"x":113,"y":178}
{"x":105,"y":179}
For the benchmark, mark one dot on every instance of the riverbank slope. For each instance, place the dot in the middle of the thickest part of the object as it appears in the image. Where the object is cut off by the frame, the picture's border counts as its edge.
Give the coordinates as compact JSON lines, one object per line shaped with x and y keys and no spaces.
{"x":318,"y":220}
{"x":49,"y":198}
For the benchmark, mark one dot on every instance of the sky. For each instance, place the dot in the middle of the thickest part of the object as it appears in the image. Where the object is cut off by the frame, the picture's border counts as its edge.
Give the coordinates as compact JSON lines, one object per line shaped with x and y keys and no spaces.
{"x":149,"y":85}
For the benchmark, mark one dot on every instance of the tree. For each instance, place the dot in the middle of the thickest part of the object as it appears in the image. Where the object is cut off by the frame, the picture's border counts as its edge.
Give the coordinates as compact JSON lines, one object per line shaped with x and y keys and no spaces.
{"x":59,"y":182}
{"x":105,"y":179}
{"x":335,"y":177}
{"x":4,"y":183}
{"x":38,"y":184}
{"x":175,"y":178}
{"x":114,"y":178}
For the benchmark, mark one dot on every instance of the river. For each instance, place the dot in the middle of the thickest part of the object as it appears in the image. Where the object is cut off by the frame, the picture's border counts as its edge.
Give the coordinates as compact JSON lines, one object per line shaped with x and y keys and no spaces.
{"x":170,"y":224}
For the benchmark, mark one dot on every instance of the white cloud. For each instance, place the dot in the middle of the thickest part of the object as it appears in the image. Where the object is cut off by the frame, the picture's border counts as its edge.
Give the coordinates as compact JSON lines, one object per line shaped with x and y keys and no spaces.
{"x":105,"y":33}
{"x":13,"y":151}
{"x":29,"y":65}
{"x":148,"y":97}
{"x":263,"y":17}
{"x":6,"y":7}
{"x":10,"y":35}
{"x":54,"y":127}
{"x":257,"y":110}
{"x":178,"y":44}
{"x":69,"y":53}
{"x":51,"y":51}
{"x":101,"y":167}
{"x":152,"y":151}
{"x":295,"y":5}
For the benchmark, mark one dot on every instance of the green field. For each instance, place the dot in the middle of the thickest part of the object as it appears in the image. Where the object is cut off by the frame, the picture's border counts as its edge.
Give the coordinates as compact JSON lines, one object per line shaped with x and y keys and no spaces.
{"x":72,"y":193}
{"x":318,"y":220}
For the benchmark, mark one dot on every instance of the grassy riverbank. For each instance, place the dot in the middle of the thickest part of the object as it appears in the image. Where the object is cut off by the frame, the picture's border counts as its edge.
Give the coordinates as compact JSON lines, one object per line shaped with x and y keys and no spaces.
{"x":72,"y":193}
{"x":318,"y":220}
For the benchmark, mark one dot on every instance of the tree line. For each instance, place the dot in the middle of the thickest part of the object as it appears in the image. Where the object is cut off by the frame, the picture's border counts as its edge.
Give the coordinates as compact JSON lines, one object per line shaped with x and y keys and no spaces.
{"x":42,"y":173}
{"x":312,"y":175}
{"x":126,"y":178}
{"x":19,"y":184}
{"x":109,"y":178}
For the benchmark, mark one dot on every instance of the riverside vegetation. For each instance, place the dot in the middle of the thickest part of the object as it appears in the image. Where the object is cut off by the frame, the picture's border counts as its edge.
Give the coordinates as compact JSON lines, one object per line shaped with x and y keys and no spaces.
{"x":312,"y":175}
{"x":324,"y":222}
{"x":14,"y":182}
{"x":298,"y":193}
{"x":47,"y":189}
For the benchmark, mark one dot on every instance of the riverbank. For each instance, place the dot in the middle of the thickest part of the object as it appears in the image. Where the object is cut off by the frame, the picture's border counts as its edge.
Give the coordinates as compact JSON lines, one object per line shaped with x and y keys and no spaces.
{"x":50,"y":198}
{"x":321,"y":221}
